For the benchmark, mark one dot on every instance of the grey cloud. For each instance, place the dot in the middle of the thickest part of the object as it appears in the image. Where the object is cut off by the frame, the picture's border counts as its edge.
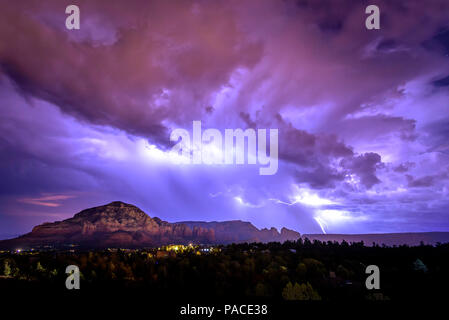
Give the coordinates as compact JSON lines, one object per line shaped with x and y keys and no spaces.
{"x":365,"y":167}
{"x":404,"y":167}
{"x":425,"y":181}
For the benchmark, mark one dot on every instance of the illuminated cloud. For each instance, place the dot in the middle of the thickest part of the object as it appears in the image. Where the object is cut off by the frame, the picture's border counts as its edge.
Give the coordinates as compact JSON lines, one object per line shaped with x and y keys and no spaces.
{"x":362,"y":116}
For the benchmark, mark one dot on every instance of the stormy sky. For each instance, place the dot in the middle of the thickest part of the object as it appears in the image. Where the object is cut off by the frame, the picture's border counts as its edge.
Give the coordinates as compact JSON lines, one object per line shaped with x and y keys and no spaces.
{"x":363,"y":115}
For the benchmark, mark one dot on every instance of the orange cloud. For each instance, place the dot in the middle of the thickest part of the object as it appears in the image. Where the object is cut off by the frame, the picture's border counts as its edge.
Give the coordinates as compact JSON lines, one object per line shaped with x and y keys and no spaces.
{"x":47,"y":200}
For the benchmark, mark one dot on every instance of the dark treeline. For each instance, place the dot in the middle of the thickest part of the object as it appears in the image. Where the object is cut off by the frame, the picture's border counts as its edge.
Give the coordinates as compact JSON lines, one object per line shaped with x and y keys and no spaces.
{"x":299,"y":270}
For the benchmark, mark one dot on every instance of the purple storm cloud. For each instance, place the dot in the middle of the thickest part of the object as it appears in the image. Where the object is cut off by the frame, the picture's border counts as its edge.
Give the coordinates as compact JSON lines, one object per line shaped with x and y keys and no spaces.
{"x":363,"y":115}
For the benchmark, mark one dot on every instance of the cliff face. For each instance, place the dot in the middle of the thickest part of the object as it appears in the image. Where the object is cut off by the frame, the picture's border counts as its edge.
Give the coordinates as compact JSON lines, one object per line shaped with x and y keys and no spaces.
{"x":241,"y":231}
{"x":123,"y":225}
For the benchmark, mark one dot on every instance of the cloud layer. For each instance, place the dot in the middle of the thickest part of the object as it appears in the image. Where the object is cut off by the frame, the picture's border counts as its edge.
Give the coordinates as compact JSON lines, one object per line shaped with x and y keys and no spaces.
{"x":362,"y":114}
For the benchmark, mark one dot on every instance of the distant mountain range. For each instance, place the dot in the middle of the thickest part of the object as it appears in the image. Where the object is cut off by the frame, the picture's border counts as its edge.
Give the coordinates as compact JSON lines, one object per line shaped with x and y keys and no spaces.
{"x":118,"y":224}
{"x":389,"y":239}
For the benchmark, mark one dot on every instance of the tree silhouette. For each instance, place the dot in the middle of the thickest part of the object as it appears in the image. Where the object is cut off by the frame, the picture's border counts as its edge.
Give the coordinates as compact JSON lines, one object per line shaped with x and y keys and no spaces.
{"x":300,"y":292}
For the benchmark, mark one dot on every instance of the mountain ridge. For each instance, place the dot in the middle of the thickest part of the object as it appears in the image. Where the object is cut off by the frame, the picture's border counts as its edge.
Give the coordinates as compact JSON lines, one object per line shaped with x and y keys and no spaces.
{"x":120,"y":224}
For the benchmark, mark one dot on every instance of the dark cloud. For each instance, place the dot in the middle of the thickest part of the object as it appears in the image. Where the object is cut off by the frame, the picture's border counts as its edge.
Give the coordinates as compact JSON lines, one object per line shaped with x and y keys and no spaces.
{"x":365,"y":167}
{"x":439,"y":41}
{"x":443,"y":82}
{"x":147,"y":76}
{"x":375,"y":126}
{"x":209,"y":109}
{"x":437,"y":135}
{"x":426,"y":181}
{"x":404,"y":167}
{"x":319,"y":176}
{"x":247,"y":119}
{"x":305,"y":149}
